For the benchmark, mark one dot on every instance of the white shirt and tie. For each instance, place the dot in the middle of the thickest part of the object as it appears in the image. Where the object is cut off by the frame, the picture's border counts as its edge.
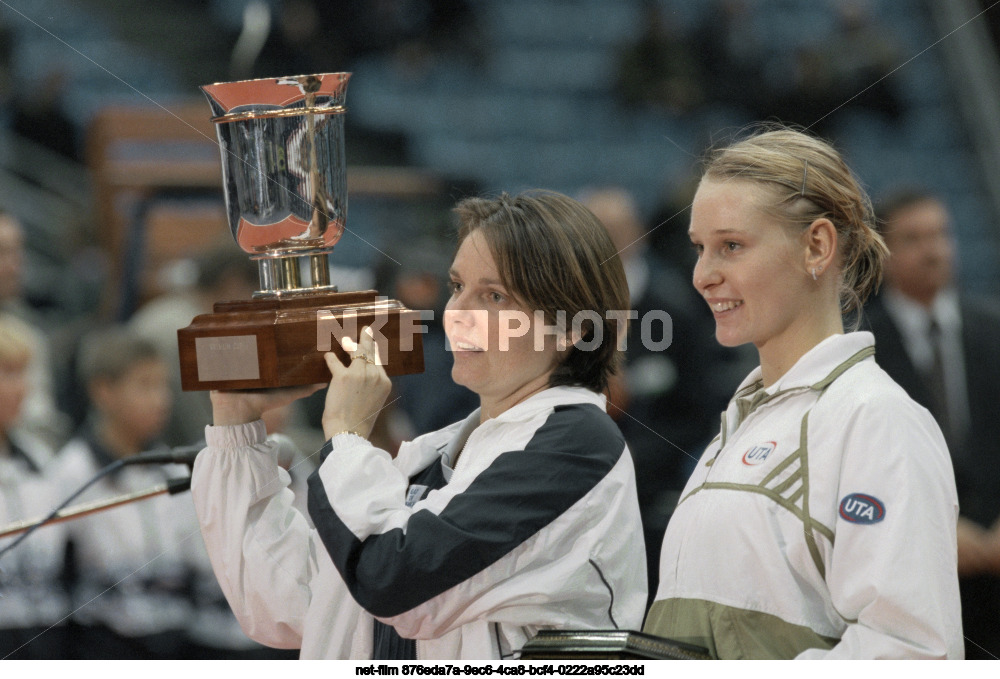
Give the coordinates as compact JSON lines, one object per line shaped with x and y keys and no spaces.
{"x":916,"y":324}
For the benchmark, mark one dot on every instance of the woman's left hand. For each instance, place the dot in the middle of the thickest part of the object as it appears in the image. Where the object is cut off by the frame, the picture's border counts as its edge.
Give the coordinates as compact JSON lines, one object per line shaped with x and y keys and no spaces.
{"x":357,"y":391}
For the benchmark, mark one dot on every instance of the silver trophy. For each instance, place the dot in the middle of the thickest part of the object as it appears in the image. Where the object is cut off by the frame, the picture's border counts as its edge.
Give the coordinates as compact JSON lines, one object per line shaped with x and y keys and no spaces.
{"x":284,"y":173}
{"x":285,"y":178}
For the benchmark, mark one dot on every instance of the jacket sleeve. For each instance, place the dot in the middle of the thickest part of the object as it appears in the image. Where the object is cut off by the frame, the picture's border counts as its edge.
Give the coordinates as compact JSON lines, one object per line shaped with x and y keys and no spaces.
{"x":260,"y":547}
{"x":892,"y":570}
{"x":536,"y":538}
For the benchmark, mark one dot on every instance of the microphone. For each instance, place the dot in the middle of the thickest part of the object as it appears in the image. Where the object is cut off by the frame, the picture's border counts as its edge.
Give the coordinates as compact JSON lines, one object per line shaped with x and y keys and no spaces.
{"x":176,"y":455}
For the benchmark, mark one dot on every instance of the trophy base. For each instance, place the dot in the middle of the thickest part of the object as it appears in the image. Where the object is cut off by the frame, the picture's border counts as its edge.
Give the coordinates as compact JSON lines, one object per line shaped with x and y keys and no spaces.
{"x":607,"y":645}
{"x":280,"y":341}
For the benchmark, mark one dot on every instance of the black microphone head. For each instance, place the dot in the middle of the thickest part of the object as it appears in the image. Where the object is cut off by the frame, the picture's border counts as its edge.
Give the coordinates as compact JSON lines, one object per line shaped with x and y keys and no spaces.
{"x":177,"y":455}
{"x":186,"y":454}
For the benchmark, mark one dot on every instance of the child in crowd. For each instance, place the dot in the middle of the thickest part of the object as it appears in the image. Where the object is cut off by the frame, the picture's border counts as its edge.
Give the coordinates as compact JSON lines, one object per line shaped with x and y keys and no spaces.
{"x":32,"y":598}
{"x":143,"y":585}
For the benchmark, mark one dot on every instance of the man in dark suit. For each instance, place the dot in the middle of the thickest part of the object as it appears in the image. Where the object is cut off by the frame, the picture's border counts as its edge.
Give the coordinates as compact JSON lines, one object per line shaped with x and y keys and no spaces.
{"x":943,"y":348}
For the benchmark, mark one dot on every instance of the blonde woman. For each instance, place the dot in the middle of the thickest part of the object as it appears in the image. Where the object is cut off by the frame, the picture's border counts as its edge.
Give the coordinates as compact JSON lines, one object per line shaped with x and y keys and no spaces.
{"x":821,"y":522}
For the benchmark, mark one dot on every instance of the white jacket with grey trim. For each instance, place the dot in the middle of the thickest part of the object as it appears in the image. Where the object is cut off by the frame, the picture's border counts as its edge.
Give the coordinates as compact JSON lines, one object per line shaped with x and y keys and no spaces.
{"x":554,"y":465}
{"x":821,"y":523}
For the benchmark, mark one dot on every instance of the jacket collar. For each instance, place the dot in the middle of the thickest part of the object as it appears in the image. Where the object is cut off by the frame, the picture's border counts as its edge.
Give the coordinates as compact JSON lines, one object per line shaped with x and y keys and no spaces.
{"x":548,"y":398}
{"x":815,"y":370}
{"x":448,"y":442}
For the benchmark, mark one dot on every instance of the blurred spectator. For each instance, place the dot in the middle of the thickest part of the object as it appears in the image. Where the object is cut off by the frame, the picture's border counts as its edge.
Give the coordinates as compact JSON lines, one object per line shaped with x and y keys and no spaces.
{"x":804,"y":83}
{"x":667,"y":232}
{"x":660,"y":69}
{"x":943,"y":348}
{"x":310,"y":36}
{"x":39,"y":413}
{"x":224,"y":273}
{"x":298,"y":41}
{"x":848,"y":69}
{"x":32,"y":596}
{"x":732,"y":56}
{"x":38,"y":115}
{"x":865,"y":54}
{"x":6,"y":71}
{"x":12,"y":266}
{"x":672,"y":395}
{"x":131,"y":586}
{"x":142,"y":586}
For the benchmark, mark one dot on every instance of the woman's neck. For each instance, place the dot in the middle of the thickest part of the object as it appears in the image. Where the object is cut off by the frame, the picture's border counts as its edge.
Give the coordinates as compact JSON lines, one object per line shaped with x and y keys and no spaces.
{"x":779,"y":354}
{"x":494,"y":407}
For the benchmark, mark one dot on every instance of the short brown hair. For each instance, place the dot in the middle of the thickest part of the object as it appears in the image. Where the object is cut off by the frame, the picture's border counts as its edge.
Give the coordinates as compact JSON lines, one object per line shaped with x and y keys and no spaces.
{"x":809,"y":180}
{"x":901,"y":198}
{"x":554,"y":255}
{"x":111,"y":352}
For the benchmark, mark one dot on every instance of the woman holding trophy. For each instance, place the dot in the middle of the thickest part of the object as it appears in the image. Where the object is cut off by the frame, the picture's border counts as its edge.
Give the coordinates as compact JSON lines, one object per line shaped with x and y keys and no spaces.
{"x":521,"y":517}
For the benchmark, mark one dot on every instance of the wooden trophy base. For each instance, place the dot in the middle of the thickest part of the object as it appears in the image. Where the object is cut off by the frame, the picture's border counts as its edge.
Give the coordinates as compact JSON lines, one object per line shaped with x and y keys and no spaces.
{"x":280,"y":341}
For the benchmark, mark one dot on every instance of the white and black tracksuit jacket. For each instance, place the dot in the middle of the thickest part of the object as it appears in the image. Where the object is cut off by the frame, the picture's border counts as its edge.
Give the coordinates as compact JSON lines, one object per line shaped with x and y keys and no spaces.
{"x":537,"y":527}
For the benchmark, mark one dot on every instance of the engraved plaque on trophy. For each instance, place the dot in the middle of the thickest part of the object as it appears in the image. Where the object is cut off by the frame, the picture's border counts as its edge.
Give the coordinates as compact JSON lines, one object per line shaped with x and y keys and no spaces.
{"x":285,"y":181}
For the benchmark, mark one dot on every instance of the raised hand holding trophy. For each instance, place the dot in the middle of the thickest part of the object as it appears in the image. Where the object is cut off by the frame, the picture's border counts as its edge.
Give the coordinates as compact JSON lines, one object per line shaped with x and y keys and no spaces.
{"x":285,"y":181}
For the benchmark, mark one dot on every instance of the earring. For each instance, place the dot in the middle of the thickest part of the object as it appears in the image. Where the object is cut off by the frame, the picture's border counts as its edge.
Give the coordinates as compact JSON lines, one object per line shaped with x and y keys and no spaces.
{"x":814,"y":274}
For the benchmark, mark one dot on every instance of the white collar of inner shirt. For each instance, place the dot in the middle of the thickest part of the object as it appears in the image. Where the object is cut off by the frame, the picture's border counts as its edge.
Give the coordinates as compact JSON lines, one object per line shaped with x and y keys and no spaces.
{"x":913,"y":321}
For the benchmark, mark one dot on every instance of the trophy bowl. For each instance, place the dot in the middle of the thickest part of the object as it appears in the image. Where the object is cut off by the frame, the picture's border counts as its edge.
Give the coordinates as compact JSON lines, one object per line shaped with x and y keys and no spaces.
{"x":285,"y":181}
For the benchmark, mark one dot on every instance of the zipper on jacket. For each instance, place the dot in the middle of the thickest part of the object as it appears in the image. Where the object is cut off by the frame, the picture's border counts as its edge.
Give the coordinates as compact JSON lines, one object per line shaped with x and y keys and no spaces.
{"x":461,"y":454}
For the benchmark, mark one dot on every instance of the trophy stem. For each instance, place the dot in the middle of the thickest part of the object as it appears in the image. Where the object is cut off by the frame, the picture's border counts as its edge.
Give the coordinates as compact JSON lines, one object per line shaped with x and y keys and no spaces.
{"x":283,"y":273}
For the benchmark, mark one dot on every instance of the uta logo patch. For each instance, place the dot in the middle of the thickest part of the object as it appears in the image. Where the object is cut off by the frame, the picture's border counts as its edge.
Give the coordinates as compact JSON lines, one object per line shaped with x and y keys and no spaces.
{"x":758,"y":453}
{"x":861,"y":508}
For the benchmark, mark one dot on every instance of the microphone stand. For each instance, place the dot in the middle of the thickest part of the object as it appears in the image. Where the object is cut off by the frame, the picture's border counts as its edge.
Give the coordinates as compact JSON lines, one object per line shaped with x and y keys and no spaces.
{"x":172,"y":487}
{"x":185,"y":455}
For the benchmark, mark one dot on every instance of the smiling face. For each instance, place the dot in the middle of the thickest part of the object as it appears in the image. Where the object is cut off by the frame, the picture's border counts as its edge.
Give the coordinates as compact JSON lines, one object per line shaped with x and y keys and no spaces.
{"x":492,"y":336}
{"x":751,"y":270}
